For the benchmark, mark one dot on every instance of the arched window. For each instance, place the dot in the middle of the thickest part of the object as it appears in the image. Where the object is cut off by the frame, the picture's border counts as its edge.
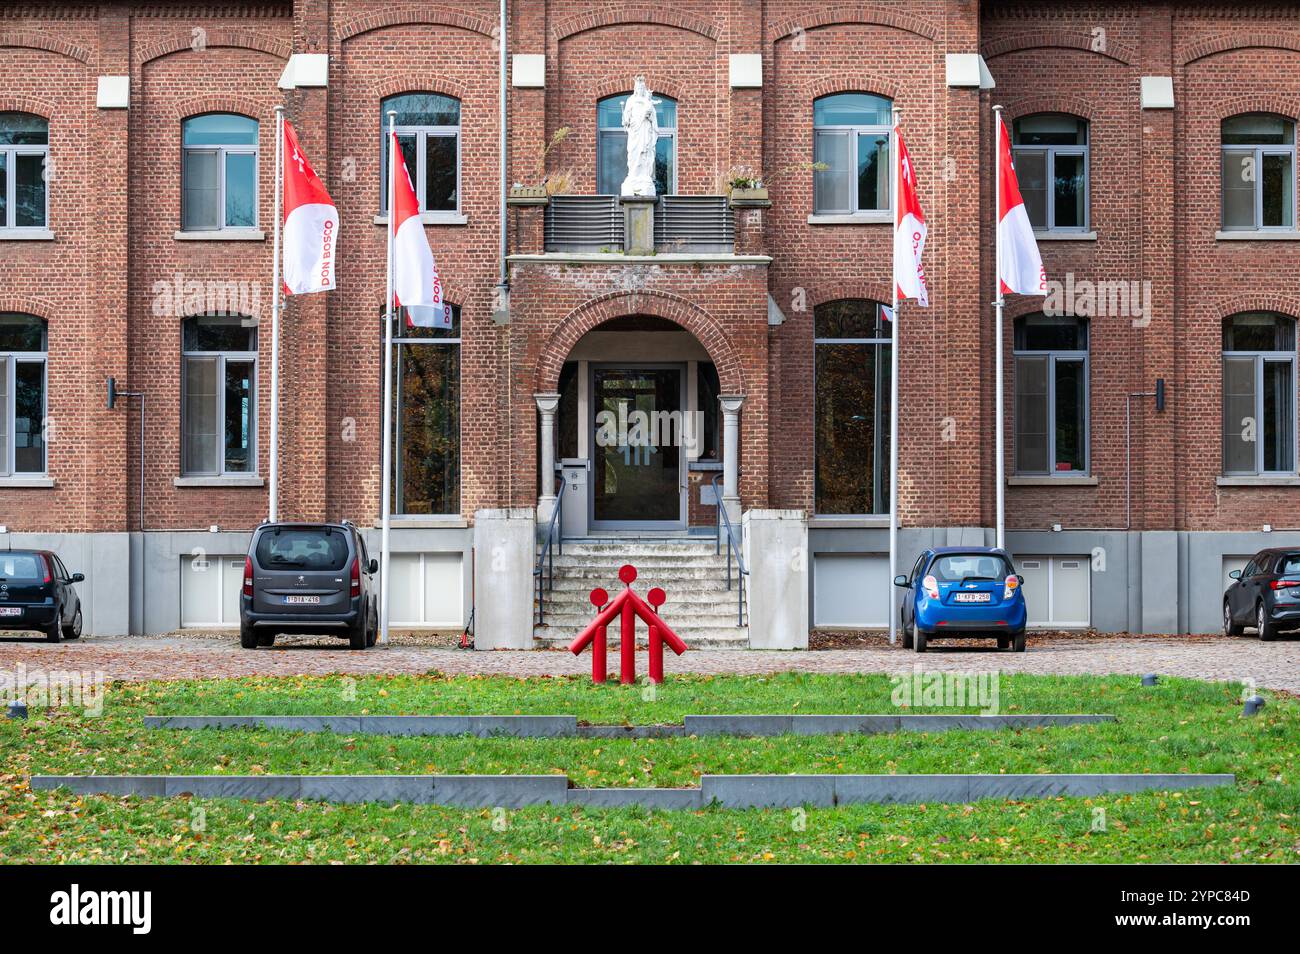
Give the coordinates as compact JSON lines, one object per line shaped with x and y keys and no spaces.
{"x":611,"y":145}
{"x":218,"y":396}
{"x":24,"y":150}
{"x":22,"y":394}
{"x":851,"y":138}
{"x":1051,"y":412}
{"x":1258,"y":172}
{"x":428,"y":130}
{"x":426,"y":417}
{"x":1259,"y":384}
{"x":1051,"y":156}
{"x":218,"y":172}
{"x":851,"y":407}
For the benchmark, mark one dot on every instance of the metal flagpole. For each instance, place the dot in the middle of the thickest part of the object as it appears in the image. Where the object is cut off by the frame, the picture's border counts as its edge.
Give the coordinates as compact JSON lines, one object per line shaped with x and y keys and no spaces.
{"x":387,"y":480}
{"x":998,"y":302}
{"x":893,"y":397}
{"x":273,"y":457}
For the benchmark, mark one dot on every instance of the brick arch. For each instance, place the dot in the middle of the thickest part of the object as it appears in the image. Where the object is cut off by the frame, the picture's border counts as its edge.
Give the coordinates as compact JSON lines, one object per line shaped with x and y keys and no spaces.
{"x":1058,"y":38}
{"x":182,"y":40}
{"x":657,"y":82}
{"x":856,"y":14}
{"x":847,"y":81}
{"x":681,"y":312}
{"x":826,"y":292}
{"x":1236,"y":40}
{"x":28,"y":306}
{"x":28,"y":104}
{"x":1280,"y":104}
{"x":221,"y":103}
{"x":629,"y":14}
{"x":1063,"y":103}
{"x":403,"y":14}
{"x":1028,"y":305}
{"x":31,"y":40}
{"x":412,"y":82}
{"x":1229,"y":305}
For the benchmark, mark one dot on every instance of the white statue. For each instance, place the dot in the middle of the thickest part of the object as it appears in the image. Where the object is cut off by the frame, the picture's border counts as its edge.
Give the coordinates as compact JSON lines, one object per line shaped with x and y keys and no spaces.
{"x":639,"y":121}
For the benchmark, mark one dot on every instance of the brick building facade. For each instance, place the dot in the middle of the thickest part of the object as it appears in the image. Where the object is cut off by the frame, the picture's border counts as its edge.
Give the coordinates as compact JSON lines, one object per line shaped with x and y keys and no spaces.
{"x":1131,"y":525}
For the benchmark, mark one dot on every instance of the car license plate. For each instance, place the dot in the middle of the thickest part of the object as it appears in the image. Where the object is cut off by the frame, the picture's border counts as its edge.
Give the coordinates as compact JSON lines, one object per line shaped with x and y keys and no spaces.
{"x":11,"y":611}
{"x":972,"y":597}
{"x":302,"y":599}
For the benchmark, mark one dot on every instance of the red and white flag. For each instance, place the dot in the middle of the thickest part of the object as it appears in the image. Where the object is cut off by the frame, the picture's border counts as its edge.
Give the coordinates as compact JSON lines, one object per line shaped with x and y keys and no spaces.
{"x":909,"y":232}
{"x":416,"y":286}
{"x":311,"y":223}
{"x":1020,"y":268}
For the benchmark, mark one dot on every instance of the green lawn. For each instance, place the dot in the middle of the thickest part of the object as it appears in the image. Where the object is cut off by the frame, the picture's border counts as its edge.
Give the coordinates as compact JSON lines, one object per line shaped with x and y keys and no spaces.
{"x":1179,"y":726}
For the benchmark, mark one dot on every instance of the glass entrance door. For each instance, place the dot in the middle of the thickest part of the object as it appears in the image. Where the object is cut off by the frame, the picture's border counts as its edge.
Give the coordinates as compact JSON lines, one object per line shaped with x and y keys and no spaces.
{"x":637,"y":444}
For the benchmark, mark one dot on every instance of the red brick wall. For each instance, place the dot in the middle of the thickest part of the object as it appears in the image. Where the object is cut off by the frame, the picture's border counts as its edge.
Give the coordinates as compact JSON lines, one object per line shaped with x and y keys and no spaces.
{"x":1155,"y":208}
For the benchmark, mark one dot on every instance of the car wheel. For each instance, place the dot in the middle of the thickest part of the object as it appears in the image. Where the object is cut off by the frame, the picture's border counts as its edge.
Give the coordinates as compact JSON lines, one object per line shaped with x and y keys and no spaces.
{"x":53,"y":633}
{"x":372,"y":632}
{"x":73,"y":631}
{"x":1004,"y":642}
{"x":1018,"y":642}
{"x":907,"y":633}
{"x":266,"y":639}
{"x":918,"y":639}
{"x":1229,"y":627}
{"x":1267,"y":631}
{"x":357,"y":635}
{"x":247,"y":636}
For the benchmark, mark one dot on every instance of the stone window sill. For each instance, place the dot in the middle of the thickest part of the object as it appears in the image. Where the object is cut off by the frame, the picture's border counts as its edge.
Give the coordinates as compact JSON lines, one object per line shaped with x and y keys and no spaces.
{"x":7,"y":483}
{"x":26,"y":235}
{"x":250,"y":481}
{"x":847,"y":522}
{"x":1045,"y":481}
{"x":704,"y":465}
{"x":1278,"y":480}
{"x":425,"y":522}
{"x":432,"y":218}
{"x":1248,"y":235}
{"x":857,"y":218}
{"x":1065,"y":236}
{"x":222,"y":235}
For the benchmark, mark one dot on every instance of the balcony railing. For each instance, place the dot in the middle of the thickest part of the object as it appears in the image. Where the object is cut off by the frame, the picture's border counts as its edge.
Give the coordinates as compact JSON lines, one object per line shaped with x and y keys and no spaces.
{"x":683,"y":224}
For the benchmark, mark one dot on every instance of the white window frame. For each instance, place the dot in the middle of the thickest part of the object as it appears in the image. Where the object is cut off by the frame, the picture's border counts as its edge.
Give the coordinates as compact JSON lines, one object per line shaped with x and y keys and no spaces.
{"x":881,"y":434}
{"x":1053,"y":357}
{"x":855,"y":132}
{"x":1262,"y":358}
{"x":421,"y":134}
{"x":1259,"y":152}
{"x":1049,"y":154}
{"x":221,"y":151}
{"x":220,"y":358}
{"x":603,"y":134}
{"x":11,"y":360}
{"x":10,"y":155}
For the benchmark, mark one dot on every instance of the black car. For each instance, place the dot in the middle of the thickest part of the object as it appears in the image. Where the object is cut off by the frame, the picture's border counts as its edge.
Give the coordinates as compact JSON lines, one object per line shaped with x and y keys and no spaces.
{"x":1265,"y":595}
{"x":308,"y":578}
{"x":36,"y":592}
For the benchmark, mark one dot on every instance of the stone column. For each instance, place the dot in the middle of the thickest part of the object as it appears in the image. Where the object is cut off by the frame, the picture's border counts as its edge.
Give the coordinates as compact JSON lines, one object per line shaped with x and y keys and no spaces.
{"x":731,"y":404}
{"x":547,"y":402}
{"x":505,"y":548}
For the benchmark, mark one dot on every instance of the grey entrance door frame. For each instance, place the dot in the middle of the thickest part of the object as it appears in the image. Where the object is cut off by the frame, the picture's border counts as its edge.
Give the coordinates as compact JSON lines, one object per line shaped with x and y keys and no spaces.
{"x":683,"y":510}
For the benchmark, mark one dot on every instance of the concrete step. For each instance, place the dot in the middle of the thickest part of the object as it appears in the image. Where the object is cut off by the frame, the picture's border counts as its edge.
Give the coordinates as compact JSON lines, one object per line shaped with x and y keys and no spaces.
{"x":644,"y":563}
{"x":646,"y":576}
{"x":705,"y":587}
{"x":576,"y":622}
{"x":629,"y":553}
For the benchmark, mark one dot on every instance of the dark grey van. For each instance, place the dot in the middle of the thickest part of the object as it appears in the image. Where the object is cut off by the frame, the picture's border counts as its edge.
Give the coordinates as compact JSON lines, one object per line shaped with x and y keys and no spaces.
{"x":308,"y":578}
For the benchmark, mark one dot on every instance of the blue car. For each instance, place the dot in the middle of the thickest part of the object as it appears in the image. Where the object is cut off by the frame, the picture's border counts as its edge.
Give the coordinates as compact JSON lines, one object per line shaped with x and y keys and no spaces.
{"x":963,"y":591}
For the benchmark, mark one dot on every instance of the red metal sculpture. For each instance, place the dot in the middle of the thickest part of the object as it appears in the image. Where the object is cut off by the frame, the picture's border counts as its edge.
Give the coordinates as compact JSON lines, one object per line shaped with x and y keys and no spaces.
{"x":627,"y":606}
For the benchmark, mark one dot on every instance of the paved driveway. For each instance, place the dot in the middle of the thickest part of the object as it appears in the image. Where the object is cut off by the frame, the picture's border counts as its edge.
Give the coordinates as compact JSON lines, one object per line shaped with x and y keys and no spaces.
{"x":1273,"y":665}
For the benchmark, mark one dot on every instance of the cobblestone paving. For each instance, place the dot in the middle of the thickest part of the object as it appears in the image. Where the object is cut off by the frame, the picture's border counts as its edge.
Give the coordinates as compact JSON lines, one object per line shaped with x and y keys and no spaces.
{"x":1274,"y":665}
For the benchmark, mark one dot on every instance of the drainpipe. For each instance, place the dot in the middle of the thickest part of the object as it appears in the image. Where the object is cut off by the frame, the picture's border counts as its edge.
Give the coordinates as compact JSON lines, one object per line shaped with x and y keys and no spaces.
{"x":502,"y":281}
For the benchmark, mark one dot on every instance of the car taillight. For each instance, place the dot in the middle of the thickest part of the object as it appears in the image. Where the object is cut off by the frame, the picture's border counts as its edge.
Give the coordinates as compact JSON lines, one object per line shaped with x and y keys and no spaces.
{"x":248,"y":576}
{"x":1009,"y":588}
{"x":356,"y":577}
{"x":931,"y":586}
{"x":46,"y":561}
{"x":1284,"y":584}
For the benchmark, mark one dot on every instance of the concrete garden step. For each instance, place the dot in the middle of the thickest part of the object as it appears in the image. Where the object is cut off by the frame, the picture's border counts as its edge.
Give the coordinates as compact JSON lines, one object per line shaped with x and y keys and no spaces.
{"x":717,"y":637}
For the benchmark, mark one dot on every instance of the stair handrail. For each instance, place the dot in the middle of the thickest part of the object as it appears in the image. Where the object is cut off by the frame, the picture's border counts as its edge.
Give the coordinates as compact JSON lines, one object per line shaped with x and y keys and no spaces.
{"x":546,"y":558}
{"x":733,"y":546}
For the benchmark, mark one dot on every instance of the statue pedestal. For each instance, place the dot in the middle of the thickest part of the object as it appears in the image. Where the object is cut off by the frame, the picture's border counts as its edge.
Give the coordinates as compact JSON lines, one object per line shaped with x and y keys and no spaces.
{"x":638,"y":224}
